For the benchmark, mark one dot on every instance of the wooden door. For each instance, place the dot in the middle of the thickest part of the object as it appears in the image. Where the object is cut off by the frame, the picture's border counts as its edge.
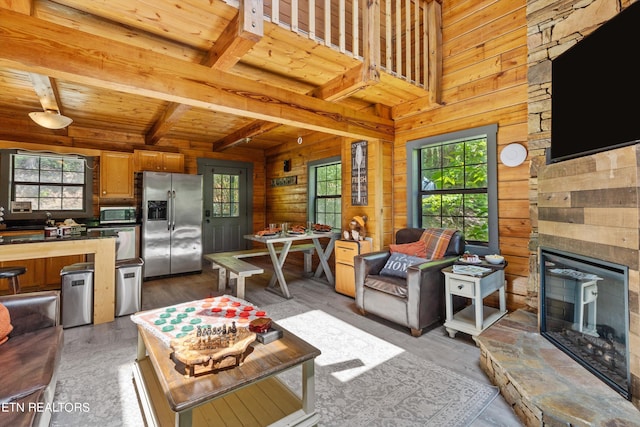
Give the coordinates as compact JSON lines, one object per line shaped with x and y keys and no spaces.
{"x":227,"y":207}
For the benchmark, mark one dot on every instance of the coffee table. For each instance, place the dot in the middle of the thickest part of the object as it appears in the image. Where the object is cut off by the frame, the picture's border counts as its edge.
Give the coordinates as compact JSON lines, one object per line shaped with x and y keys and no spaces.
{"x":249,"y":394}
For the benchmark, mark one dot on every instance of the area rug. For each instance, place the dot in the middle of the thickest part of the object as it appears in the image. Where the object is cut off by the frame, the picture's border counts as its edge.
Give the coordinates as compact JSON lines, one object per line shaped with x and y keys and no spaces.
{"x":95,"y":385}
{"x":362,"y":380}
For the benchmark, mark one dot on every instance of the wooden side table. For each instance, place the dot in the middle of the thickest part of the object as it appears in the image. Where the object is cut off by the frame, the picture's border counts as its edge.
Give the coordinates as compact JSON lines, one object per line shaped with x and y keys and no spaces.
{"x":345,"y":251}
{"x":477,"y":317}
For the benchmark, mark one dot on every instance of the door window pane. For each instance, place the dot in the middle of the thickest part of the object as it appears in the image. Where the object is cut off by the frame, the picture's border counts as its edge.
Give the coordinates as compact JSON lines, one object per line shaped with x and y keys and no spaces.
{"x":226,"y":195}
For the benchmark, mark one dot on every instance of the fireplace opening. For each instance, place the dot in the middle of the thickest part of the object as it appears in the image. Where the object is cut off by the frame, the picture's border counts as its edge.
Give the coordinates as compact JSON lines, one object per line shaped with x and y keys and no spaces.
{"x":585,"y":313}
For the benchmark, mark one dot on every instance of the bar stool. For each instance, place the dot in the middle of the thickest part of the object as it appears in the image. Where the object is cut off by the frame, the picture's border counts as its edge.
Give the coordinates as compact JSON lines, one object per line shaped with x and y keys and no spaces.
{"x":12,"y":274}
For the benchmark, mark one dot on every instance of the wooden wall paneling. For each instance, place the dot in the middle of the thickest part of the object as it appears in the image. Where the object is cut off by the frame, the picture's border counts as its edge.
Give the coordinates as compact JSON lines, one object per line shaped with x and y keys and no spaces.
{"x":484,"y":81}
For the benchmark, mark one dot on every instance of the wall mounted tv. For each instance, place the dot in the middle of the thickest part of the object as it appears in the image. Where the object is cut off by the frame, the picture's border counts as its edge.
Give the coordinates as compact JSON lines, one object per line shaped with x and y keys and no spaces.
{"x":595,"y":99}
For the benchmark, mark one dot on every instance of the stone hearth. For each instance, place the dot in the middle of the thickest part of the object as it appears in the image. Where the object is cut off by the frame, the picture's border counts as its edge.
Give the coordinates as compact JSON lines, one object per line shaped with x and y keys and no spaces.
{"x":544,"y":385}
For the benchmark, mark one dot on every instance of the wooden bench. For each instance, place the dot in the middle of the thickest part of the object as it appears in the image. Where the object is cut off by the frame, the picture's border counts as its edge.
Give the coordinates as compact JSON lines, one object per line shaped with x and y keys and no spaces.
{"x":238,"y":269}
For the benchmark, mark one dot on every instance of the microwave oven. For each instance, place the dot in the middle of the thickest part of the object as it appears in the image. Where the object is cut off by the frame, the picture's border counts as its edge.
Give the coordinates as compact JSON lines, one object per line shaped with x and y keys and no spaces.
{"x":117,"y":215}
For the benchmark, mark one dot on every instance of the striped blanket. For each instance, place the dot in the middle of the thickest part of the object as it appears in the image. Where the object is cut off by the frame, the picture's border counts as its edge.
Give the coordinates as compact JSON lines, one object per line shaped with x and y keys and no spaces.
{"x":436,"y":241}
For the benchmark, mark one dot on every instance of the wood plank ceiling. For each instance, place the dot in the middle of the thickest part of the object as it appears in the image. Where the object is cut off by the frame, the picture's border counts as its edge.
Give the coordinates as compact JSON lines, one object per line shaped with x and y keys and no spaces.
{"x":199,"y":70}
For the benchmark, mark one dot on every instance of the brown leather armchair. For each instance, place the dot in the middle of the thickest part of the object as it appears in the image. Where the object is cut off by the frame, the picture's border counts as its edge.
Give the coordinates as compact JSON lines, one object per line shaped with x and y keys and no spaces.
{"x":415,"y":302}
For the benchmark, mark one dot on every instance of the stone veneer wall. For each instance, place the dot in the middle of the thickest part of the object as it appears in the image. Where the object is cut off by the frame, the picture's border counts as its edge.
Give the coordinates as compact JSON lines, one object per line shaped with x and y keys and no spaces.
{"x":587,"y":205}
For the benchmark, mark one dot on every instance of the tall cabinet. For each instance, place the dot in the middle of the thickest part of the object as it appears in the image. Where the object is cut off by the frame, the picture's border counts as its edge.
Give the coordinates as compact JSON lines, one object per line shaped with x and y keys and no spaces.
{"x":345,"y":251}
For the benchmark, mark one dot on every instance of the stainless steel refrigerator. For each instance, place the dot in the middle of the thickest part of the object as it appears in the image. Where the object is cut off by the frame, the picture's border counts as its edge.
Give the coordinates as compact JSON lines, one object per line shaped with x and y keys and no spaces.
{"x":171,"y":223}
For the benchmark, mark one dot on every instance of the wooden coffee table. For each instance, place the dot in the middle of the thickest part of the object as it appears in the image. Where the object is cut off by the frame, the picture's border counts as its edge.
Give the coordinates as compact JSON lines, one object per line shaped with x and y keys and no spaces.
{"x":249,"y":394}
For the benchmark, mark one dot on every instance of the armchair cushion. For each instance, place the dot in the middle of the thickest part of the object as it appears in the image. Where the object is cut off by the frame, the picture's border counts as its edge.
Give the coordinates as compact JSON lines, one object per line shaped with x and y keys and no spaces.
{"x":418,"y":249}
{"x":437,"y":241}
{"x":397,"y":264}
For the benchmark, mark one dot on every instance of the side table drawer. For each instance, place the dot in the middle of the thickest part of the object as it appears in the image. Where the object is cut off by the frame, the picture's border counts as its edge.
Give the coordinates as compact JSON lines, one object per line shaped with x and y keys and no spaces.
{"x":462,"y":288}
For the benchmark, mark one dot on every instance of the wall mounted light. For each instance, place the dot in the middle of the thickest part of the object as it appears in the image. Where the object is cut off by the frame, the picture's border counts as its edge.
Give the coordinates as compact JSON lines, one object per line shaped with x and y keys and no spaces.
{"x":50,"y":119}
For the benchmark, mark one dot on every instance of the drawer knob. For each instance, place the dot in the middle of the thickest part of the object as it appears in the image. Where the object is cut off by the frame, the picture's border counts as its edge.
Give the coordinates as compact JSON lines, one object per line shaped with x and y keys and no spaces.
{"x":460,"y":286}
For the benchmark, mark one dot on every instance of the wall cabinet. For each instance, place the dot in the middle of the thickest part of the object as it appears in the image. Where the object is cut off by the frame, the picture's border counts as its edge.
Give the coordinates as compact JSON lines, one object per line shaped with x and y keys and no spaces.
{"x":345,"y":251}
{"x":158,"y":161}
{"x":116,"y":175}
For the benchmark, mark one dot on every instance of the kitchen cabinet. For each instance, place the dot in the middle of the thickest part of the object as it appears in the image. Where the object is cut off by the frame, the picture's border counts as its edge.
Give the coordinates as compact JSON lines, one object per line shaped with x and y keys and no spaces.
{"x":116,"y":175}
{"x":345,"y":251}
{"x":158,"y":161}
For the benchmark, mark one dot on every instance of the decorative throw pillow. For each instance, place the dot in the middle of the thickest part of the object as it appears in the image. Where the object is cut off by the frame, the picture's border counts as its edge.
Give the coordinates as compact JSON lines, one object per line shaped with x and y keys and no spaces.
{"x":436,"y":241}
{"x":397,"y":264}
{"x":5,"y":324}
{"x":418,"y":249}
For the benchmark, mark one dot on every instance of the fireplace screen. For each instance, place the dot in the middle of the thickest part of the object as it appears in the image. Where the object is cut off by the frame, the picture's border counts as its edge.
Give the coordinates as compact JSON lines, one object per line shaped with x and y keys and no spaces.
{"x":584,"y":312}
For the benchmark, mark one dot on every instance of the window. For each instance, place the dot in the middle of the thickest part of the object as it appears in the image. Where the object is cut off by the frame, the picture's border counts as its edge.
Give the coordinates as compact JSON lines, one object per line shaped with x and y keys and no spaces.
{"x":454,"y":185}
{"x":226,"y":195}
{"x":51,"y":182}
{"x":325,"y":192}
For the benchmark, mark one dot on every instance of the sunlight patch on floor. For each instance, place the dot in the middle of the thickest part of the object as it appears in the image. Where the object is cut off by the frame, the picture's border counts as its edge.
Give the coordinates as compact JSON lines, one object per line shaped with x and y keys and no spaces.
{"x":349,"y":349}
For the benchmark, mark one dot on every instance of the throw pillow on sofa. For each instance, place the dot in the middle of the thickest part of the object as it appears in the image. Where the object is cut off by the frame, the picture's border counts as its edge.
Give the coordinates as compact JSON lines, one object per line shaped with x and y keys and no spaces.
{"x":5,"y":324}
{"x":418,"y":249}
{"x":398,"y":263}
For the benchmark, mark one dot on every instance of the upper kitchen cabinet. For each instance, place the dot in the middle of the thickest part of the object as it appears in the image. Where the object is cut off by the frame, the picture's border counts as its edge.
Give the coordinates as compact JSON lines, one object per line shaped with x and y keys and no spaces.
{"x":158,"y":161}
{"x":116,"y":175}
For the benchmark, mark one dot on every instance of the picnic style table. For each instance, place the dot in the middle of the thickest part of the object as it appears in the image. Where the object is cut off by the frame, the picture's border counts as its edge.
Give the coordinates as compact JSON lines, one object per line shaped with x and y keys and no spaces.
{"x":286,"y":239}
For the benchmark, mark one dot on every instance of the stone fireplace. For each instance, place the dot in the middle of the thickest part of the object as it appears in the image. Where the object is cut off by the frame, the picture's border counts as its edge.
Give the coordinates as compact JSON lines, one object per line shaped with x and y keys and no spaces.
{"x":590,"y":205}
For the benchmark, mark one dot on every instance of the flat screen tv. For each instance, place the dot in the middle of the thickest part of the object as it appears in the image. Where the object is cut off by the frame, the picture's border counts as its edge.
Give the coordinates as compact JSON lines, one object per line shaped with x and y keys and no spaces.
{"x":595,"y":98}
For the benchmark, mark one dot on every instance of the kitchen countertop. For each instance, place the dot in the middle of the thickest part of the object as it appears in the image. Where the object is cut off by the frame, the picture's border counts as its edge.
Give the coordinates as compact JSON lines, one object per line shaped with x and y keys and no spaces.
{"x":39,"y":237}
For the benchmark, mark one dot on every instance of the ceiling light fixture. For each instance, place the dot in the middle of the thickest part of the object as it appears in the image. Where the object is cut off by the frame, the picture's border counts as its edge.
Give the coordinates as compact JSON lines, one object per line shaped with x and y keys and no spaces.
{"x":50,"y":119}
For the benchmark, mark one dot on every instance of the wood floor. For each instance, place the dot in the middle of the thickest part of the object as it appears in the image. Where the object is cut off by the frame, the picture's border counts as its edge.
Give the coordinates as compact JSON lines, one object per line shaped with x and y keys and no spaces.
{"x":459,"y":354}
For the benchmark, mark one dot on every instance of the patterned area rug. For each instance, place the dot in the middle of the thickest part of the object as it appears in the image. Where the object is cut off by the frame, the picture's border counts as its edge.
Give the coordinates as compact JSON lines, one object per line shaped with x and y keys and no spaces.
{"x":362,"y":380}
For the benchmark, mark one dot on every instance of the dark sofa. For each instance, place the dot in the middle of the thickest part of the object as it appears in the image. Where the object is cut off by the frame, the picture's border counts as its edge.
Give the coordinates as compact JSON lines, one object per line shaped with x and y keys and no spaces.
{"x":30,"y":358}
{"x":415,"y":302}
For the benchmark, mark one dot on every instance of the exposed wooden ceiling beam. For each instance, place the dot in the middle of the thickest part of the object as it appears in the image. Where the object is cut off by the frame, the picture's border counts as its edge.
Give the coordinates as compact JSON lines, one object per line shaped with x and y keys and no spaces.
{"x":21,"y":6}
{"x":341,"y":87}
{"x":89,"y":59}
{"x":345,"y":85}
{"x":242,"y":33}
{"x":245,"y":133}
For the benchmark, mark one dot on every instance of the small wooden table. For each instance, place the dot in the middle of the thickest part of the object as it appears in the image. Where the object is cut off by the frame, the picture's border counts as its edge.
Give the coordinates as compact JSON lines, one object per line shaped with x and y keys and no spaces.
{"x":477,"y":317}
{"x":245,"y":395}
{"x":287,"y":240}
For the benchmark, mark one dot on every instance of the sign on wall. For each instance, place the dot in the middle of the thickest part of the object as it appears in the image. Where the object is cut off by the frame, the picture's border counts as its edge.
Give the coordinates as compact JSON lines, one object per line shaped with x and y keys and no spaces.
{"x":359,"y":178}
{"x":281,"y":182}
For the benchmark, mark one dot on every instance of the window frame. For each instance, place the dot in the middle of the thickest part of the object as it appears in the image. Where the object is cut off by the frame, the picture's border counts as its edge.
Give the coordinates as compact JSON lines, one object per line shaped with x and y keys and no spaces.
{"x":7,"y":187}
{"x":311,"y":187}
{"x":414,"y":173}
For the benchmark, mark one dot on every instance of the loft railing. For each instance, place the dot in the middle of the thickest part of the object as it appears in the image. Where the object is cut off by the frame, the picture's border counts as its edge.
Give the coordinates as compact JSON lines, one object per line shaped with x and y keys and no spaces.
{"x":401,"y":37}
